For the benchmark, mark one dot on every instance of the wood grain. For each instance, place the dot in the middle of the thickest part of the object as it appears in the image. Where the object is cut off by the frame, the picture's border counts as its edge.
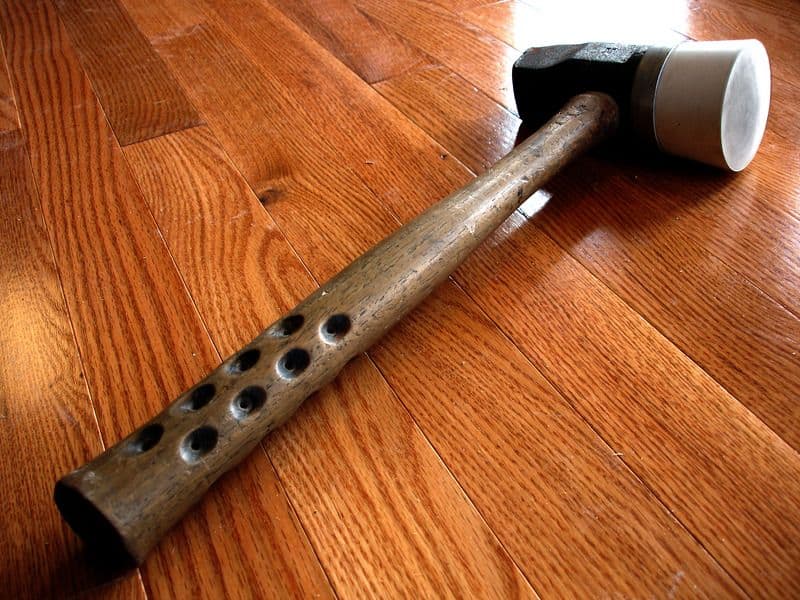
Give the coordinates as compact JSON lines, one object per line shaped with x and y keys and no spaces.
{"x":363,"y":44}
{"x":139,"y":96}
{"x":474,"y":128}
{"x":344,"y":116}
{"x":732,"y":481}
{"x":9,"y":120}
{"x":458,"y":5}
{"x":341,"y":425}
{"x":777,"y":28}
{"x":782,"y":122}
{"x":538,"y":470}
{"x":126,"y":301}
{"x":268,"y":152}
{"x":690,"y":296}
{"x":45,"y":411}
{"x":452,"y":41}
{"x":657,"y":250}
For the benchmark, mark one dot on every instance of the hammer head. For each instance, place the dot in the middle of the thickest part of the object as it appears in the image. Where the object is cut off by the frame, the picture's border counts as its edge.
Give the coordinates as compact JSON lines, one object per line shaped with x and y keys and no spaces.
{"x":707,"y":101}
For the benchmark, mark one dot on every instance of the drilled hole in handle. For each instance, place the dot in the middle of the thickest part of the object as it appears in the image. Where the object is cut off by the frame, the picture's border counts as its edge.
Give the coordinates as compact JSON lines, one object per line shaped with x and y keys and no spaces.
{"x":200,"y":396}
{"x":198,"y":443}
{"x":294,"y":362}
{"x":287,"y":326}
{"x":249,"y":400}
{"x":245,"y":361}
{"x":336,"y":327}
{"x":147,"y":438}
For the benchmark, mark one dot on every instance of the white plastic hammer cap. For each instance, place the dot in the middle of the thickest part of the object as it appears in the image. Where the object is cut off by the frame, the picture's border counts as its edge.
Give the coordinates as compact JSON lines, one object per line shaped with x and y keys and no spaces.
{"x":711,"y":101}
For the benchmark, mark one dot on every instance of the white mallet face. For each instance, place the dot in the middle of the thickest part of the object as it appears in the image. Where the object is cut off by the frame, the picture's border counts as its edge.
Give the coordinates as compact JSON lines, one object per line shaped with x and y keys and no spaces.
{"x":711,"y":102}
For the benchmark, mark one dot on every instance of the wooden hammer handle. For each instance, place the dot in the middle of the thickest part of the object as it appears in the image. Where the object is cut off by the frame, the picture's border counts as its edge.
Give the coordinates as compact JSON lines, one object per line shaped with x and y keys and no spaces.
{"x":127,"y":498}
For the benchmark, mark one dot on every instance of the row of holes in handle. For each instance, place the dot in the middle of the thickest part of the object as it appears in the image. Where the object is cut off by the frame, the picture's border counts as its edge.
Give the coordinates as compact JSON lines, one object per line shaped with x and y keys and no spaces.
{"x":203,"y":439}
{"x":296,"y":360}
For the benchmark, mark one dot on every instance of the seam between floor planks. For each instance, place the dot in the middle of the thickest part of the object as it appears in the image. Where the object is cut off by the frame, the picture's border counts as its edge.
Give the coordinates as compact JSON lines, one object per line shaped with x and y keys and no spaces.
{"x":83,"y":384}
{"x":446,"y":466}
{"x":151,"y":103}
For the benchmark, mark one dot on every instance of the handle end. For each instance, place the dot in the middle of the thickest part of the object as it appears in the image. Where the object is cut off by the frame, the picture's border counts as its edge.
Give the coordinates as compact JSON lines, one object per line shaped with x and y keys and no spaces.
{"x":92,"y":526}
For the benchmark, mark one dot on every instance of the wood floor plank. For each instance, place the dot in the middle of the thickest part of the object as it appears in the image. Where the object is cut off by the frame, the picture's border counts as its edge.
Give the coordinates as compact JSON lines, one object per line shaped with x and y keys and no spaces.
{"x":46,"y":415}
{"x":361,"y":43}
{"x":356,"y":466}
{"x":340,"y":122}
{"x":347,"y":116}
{"x":534,"y":467}
{"x":273,"y":154}
{"x":298,"y":211}
{"x":475,"y":129}
{"x":655,"y":250}
{"x":9,"y":120}
{"x":140,"y":97}
{"x":458,"y":5}
{"x":723,"y":473}
{"x":782,"y":122}
{"x":113,"y":591}
{"x":479,"y":57}
{"x":139,"y":335}
{"x":164,"y":19}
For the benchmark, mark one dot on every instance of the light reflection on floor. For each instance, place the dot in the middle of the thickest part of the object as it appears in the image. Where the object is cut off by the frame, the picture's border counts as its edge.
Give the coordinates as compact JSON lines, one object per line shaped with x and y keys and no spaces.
{"x":542,"y":22}
{"x":535,"y":203}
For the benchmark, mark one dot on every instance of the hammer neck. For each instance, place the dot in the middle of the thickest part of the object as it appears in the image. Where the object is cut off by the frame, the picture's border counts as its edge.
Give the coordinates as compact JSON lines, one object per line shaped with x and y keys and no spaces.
{"x":643,"y":94}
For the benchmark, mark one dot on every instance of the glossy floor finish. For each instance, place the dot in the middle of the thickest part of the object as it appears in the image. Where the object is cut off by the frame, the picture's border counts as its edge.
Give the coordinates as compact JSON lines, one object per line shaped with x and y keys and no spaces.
{"x":603,"y":401}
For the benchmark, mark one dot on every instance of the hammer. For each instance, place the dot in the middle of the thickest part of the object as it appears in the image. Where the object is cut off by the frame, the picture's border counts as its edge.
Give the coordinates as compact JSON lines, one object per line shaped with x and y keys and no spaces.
{"x":707,"y":101}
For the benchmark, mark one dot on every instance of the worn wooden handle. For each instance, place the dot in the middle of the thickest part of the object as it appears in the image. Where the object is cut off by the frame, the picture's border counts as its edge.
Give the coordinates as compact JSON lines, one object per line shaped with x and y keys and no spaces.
{"x":127,"y":498}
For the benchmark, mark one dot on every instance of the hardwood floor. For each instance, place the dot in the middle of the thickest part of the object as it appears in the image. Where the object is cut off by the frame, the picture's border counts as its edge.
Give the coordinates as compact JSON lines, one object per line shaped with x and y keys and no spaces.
{"x":604,"y":400}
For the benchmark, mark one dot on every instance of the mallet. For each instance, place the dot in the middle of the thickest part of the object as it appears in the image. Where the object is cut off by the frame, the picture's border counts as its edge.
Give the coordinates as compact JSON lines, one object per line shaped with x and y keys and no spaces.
{"x":704,"y":100}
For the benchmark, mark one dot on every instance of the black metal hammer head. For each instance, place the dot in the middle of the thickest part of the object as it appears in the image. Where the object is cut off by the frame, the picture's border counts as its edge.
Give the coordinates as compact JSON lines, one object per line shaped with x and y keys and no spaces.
{"x":702,"y":100}
{"x":545,"y":78}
